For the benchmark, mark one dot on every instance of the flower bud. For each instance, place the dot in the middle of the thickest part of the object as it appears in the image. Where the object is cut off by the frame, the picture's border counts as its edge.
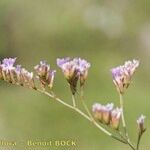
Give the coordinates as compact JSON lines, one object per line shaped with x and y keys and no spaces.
{"x":107,"y":113}
{"x":98,"y":111}
{"x":140,"y":123}
{"x":115,"y":118}
{"x":44,"y":74}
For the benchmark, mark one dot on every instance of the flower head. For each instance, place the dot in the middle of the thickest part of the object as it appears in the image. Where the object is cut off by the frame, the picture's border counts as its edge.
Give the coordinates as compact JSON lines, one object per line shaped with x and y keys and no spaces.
{"x":122,"y":75}
{"x":45,"y":74}
{"x":140,"y":122}
{"x":74,"y":70}
{"x":115,"y":117}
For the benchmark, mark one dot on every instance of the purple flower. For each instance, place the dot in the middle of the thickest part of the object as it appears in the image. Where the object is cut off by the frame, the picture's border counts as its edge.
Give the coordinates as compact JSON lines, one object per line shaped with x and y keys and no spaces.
{"x":115,"y":118}
{"x":107,"y":112}
{"x":102,"y":112}
{"x":83,"y":67}
{"x":69,"y":67}
{"x":42,"y":68}
{"x":97,"y":107}
{"x":24,"y":77}
{"x":122,"y":75}
{"x":7,"y":69}
{"x":98,"y":111}
{"x":8,"y":63}
{"x":74,"y":70}
{"x":44,"y":74}
{"x":140,"y":122}
{"x":62,"y":61}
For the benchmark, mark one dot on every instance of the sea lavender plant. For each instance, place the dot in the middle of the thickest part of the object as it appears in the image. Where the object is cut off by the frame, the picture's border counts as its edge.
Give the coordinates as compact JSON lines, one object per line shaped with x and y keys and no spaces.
{"x":104,"y":117}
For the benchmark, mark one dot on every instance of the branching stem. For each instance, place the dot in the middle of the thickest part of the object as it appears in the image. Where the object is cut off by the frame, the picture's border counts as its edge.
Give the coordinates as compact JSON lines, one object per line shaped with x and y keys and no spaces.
{"x":82,"y":114}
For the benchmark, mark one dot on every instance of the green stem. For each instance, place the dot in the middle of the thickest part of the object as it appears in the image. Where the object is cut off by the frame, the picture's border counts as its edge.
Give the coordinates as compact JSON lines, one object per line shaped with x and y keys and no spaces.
{"x":127,"y":141}
{"x":82,"y":114}
{"x":124,"y":123}
{"x":74,"y":101}
{"x":138,"y":141}
{"x":122,"y":115}
{"x":84,"y":104}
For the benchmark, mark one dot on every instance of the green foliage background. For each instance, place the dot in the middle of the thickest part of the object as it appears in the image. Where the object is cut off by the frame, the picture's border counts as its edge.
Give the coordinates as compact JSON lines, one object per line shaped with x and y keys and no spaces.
{"x":106,"y":33}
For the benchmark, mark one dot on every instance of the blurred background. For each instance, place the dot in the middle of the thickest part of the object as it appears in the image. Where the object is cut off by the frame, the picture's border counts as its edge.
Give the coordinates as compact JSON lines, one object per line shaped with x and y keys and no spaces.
{"x":106,"y":33}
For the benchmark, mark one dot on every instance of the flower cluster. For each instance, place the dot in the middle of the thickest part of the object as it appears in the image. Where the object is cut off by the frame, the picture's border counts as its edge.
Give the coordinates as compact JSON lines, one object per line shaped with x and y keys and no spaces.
{"x":122,"y":75}
{"x":44,"y":74}
{"x":107,"y":115}
{"x":20,"y":76}
{"x":74,"y":70}
{"x":16,"y":74}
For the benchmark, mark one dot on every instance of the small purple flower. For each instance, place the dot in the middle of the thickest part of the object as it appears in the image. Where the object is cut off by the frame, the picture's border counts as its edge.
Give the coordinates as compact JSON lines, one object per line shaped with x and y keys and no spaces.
{"x":96,"y":107}
{"x":74,"y":70}
{"x":44,"y":74}
{"x":7,"y":69}
{"x":140,"y":122}
{"x":27,"y":78}
{"x":83,"y":67}
{"x":62,"y":61}
{"x":8,"y":63}
{"x":98,"y":111}
{"x":107,"y":112}
{"x":122,"y":75}
{"x":42,"y":68}
{"x":69,"y":67}
{"x":102,"y":112}
{"x":115,"y":118}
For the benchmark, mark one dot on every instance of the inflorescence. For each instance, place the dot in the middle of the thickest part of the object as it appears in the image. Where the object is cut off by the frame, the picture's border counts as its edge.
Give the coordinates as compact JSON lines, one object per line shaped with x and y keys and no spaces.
{"x":75,"y":70}
{"x":107,"y":115}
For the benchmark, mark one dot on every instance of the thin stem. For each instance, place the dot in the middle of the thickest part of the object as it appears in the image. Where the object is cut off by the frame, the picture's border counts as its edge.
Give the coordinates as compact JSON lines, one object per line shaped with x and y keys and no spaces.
{"x":74,"y":101}
{"x":84,"y":104}
{"x":124,"y":123}
{"x":122,"y":141}
{"x":127,"y":141}
{"x":82,"y":114}
{"x":138,"y":141}
{"x":122,"y":115}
